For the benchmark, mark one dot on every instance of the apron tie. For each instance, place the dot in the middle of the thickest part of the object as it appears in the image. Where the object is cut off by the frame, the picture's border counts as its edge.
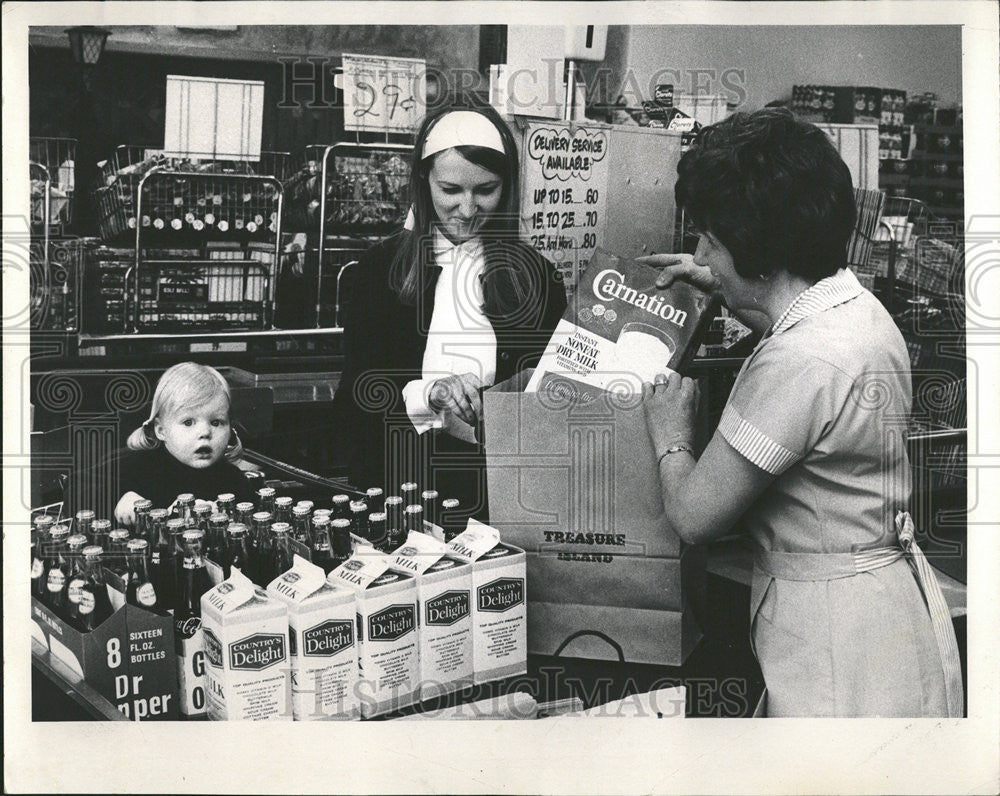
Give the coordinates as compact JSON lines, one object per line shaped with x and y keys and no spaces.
{"x":831,"y":566}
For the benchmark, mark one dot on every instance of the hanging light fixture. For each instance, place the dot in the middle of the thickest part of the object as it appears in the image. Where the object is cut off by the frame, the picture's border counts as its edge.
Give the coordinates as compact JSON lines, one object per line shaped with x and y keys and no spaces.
{"x":87,"y":43}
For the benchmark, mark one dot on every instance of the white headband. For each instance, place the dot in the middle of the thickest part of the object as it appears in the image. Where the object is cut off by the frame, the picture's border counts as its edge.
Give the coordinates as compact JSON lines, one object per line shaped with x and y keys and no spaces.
{"x":462,"y":128}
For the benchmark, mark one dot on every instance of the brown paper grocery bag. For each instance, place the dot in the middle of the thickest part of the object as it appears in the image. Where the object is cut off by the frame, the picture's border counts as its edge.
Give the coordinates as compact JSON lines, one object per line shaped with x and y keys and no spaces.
{"x":577,"y":488}
{"x":575,"y":479}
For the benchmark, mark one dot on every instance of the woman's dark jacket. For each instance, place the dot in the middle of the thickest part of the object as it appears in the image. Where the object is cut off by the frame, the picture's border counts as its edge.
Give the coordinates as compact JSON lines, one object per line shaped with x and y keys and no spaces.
{"x":384,"y":344}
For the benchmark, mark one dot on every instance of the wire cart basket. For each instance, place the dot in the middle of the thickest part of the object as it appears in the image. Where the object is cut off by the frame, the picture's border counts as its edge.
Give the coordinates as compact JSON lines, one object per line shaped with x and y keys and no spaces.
{"x":205,"y":237}
{"x":52,"y":172}
{"x":346,"y":194}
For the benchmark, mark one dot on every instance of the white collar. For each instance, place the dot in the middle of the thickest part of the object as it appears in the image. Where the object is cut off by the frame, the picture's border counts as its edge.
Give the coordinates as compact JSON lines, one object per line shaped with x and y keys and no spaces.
{"x":825,"y":294}
{"x":470,"y":248}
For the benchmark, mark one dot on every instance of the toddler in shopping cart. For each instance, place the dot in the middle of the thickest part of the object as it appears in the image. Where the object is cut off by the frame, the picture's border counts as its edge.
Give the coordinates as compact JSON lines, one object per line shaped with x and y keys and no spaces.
{"x":186,"y":445}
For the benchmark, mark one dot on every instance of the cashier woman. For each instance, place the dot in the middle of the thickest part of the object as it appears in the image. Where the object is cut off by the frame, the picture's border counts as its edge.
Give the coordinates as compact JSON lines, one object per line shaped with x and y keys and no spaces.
{"x":451,"y":304}
{"x":846,"y":617}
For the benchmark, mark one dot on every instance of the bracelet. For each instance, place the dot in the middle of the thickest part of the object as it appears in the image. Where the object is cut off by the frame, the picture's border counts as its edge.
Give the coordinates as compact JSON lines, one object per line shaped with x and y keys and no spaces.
{"x":680,"y":447}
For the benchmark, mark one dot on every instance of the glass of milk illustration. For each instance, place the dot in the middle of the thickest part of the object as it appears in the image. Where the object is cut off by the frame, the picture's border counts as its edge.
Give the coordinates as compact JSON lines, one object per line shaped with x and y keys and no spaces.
{"x":642,"y":351}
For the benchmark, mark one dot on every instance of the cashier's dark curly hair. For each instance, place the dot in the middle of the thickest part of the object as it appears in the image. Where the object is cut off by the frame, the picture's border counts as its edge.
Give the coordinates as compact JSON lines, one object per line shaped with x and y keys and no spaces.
{"x":508,"y":280}
{"x":773,"y":190}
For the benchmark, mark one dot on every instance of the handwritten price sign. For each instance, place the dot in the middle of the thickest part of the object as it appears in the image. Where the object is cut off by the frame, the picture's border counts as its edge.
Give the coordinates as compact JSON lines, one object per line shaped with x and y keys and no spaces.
{"x":384,"y":94}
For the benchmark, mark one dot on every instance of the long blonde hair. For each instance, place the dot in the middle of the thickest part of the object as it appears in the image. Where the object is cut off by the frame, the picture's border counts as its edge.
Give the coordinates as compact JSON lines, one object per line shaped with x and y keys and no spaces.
{"x":183,"y":385}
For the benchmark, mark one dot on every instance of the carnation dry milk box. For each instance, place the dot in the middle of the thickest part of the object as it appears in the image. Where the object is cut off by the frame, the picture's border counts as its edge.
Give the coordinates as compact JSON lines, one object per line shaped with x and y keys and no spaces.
{"x":388,"y":652}
{"x":620,"y":330}
{"x":245,"y":636}
{"x":444,"y":600}
{"x":499,"y":605}
{"x":322,"y":643}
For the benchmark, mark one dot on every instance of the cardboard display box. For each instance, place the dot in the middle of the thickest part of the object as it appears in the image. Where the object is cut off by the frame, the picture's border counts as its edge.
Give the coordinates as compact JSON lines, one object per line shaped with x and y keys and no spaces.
{"x":129,"y":658}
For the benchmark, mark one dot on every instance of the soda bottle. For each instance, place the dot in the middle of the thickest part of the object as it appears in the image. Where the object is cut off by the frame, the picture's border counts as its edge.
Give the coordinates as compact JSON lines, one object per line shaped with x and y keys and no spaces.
{"x":265,"y":499}
{"x":394,"y":517}
{"x":201,"y":513}
{"x":140,"y":590}
{"x":76,"y":576}
{"x":410,"y":493}
{"x":216,"y":542}
{"x":244,"y":513}
{"x":184,"y":507}
{"x":340,"y":541}
{"x":95,"y":606}
{"x":302,"y":526}
{"x":175,"y":530}
{"x":238,"y":553}
{"x":84,"y":521}
{"x":161,"y":559}
{"x":39,"y":545}
{"x":376,"y":531}
{"x":226,"y":504}
{"x":116,"y":558}
{"x":413,"y":518}
{"x":430,"y":501}
{"x":341,"y":507}
{"x":260,"y":537}
{"x":452,"y":523}
{"x":322,"y":552}
{"x":141,"y":509}
{"x":283,"y":509}
{"x":99,"y":530}
{"x":194,"y":583}
{"x":279,"y":555}
{"x":359,"y":518}
{"x":375,"y":499}
{"x":56,"y":570}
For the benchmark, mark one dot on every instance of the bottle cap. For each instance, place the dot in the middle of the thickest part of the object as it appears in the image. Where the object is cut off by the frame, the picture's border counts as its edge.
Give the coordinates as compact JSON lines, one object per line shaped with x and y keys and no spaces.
{"x":158,"y":514}
{"x":85,"y":514}
{"x":409,"y":486}
{"x":378,"y":516}
{"x":236,"y":529}
{"x":44,"y":521}
{"x":226,"y":497}
{"x":261,"y":516}
{"x":281,"y":527}
{"x":185,"y":497}
{"x":203,"y":510}
{"x":414,"y":508}
{"x":93,"y":551}
{"x":323,"y":521}
{"x":341,"y":499}
{"x":135,"y":545}
{"x":219,"y":517}
{"x":429,"y":494}
{"x":244,"y":506}
{"x":266,"y":491}
{"x":142,"y":505}
{"x":119,"y":535}
{"x":300,"y":511}
{"x":341,"y":523}
{"x":393,"y":500}
{"x":449,"y":503}
{"x":193,"y":535}
{"x":59,"y":530}
{"x":101,"y":525}
{"x":358,"y":506}
{"x":176,"y":524}
{"x":283,"y":501}
{"x":77,"y":540}
{"x":374,"y":491}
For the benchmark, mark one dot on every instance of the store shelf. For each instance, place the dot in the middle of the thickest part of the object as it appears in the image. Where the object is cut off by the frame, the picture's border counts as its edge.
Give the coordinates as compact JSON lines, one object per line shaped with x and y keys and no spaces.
{"x":209,"y":335}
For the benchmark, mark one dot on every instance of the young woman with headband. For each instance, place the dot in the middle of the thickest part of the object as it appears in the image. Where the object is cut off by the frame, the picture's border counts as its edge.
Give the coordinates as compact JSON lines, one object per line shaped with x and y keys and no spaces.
{"x":450,"y":305}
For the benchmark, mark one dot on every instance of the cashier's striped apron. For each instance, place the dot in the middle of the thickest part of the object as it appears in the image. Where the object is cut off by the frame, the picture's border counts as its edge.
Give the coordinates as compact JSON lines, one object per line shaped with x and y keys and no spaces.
{"x":829,"y":566}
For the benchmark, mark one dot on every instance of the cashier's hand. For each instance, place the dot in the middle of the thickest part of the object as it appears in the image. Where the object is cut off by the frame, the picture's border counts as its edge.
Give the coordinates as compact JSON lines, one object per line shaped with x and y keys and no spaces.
{"x":682,"y":267}
{"x":458,"y":395}
{"x":671,"y":405}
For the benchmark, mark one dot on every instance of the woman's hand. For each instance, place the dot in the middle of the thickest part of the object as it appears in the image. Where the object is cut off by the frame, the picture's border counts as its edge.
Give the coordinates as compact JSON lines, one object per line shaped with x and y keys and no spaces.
{"x":458,"y":395}
{"x":682,"y":267}
{"x":671,"y":406}
{"x":125,"y":510}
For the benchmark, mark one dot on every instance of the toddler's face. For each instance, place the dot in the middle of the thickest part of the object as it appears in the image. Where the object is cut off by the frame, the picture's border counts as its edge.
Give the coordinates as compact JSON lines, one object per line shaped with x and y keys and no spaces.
{"x":196,"y":436}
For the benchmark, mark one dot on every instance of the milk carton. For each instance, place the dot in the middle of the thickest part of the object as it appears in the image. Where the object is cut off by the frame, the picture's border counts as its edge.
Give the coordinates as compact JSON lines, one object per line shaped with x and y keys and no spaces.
{"x":245,"y":633}
{"x":499,"y":607}
{"x":321,"y":638}
{"x":388,"y":653}
{"x":444,"y":601}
